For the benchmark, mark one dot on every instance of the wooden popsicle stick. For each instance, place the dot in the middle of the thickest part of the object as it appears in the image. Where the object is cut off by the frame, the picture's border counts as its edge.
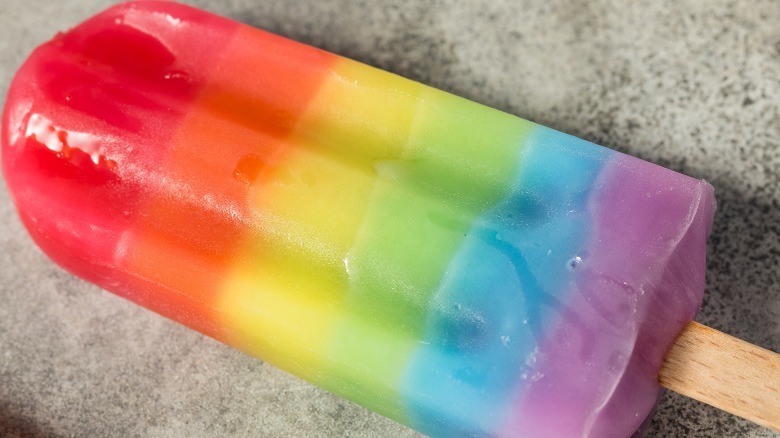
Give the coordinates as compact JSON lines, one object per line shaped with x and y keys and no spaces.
{"x":725,"y":372}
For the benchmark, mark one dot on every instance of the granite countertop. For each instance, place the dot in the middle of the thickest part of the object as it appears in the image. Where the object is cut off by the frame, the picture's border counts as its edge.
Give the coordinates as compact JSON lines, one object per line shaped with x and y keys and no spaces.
{"x":693,"y":85}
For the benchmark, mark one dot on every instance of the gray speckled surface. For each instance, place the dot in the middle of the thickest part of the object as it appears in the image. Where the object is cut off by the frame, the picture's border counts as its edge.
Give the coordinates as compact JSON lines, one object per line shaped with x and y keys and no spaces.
{"x":691,"y":85}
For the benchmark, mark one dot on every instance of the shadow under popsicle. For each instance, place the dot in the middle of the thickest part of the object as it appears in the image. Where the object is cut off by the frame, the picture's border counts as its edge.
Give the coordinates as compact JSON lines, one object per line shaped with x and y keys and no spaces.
{"x":15,"y":424}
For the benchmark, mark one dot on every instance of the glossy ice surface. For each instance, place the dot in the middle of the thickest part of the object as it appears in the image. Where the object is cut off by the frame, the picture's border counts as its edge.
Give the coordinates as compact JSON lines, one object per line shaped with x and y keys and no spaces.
{"x":450,"y":266}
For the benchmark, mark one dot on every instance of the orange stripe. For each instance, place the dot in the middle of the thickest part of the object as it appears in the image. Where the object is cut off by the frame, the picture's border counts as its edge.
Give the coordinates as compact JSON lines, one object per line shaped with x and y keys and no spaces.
{"x":234,"y":134}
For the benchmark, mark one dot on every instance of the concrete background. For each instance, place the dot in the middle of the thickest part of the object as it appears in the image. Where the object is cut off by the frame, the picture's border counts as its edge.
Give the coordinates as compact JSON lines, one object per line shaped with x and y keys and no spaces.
{"x":693,"y":85}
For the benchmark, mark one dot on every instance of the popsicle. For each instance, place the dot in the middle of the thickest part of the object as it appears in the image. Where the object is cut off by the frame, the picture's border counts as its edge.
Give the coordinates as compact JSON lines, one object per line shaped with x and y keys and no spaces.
{"x":452,"y":267}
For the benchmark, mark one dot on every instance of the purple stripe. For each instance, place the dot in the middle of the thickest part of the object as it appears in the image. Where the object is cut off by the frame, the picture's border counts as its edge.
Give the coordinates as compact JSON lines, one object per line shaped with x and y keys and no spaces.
{"x":641,"y":282}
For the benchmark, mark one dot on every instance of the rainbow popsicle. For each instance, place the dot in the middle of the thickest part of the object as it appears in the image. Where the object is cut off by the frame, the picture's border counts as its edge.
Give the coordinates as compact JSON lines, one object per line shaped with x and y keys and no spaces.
{"x":452,"y":267}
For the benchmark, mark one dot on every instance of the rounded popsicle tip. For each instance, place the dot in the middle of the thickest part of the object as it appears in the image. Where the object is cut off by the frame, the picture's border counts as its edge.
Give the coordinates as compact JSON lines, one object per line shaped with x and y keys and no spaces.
{"x":60,"y":176}
{"x":88,"y":118}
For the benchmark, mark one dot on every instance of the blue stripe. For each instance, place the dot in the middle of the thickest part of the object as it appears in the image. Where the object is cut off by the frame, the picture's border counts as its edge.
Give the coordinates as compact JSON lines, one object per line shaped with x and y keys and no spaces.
{"x":510,"y":275}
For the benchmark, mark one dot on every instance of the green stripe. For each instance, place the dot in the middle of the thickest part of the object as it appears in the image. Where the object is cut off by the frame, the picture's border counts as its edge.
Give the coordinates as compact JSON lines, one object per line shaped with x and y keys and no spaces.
{"x":461,"y":159}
